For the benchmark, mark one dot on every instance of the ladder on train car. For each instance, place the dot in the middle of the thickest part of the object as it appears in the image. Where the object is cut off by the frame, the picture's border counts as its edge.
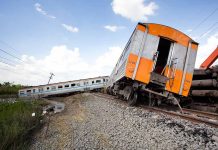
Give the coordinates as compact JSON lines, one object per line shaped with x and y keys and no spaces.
{"x":173,"y":66}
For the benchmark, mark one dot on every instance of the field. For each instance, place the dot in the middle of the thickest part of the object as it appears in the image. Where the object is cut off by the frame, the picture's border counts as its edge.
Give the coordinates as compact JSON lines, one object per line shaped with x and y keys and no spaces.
{"x":17,"y":123}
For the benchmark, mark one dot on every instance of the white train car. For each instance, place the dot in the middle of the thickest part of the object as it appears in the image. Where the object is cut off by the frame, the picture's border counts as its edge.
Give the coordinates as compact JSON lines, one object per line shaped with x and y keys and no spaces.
{"x":81,"y":85}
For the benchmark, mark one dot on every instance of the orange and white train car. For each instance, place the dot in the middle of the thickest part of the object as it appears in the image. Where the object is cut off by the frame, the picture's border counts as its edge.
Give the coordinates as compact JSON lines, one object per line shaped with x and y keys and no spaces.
{"x":158,"y":60}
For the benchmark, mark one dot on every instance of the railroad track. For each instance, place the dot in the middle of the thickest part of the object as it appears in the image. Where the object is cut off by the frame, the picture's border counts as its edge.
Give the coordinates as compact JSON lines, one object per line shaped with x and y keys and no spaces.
{"x":194,"y":116}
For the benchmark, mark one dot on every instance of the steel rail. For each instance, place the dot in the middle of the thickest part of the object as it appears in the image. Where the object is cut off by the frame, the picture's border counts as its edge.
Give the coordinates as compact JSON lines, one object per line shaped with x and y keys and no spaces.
{"x":203,"y":113}
{"x":191,"y":118}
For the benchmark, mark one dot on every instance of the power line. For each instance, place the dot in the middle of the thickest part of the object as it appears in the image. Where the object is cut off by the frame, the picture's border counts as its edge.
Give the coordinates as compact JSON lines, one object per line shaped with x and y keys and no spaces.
{"x":9,"y":46}
{"x":8,"y":60}
{"x":204,"y":19}
{"x":6,"y":63}
{"x":16,"y":58}
{"x":210,"y":29}
{"x":11,"y":54}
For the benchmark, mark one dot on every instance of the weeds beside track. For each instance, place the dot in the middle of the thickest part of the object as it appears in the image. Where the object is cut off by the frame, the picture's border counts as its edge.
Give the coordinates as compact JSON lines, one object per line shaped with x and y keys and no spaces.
{"x":17,"y":123}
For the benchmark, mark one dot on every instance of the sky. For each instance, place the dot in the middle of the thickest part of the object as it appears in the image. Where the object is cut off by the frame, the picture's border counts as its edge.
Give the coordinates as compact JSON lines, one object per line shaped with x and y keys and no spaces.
{"x":84,"y":38}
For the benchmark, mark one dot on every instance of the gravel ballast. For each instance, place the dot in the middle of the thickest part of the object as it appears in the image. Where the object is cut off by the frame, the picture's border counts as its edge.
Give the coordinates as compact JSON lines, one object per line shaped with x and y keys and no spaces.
{"x":92,"y":122}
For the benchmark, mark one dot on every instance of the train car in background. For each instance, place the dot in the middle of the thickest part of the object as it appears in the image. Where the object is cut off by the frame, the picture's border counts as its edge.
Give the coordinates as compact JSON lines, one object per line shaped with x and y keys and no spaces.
{"x":90,"y":84}
{"x":157,"y":62}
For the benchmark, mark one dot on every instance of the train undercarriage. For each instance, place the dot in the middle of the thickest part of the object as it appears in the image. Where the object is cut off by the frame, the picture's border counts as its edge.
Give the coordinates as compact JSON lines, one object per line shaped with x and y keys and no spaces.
{"x":132,"y":91}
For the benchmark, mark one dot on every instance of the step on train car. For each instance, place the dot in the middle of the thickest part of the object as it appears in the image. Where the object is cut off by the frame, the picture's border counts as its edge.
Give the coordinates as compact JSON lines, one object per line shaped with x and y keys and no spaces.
{"x":90,"y":84}
{"x":157,"y":62}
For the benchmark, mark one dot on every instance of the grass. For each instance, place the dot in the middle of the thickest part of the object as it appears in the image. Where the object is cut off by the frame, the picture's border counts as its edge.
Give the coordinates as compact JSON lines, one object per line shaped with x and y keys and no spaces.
{"x":17,"y":123}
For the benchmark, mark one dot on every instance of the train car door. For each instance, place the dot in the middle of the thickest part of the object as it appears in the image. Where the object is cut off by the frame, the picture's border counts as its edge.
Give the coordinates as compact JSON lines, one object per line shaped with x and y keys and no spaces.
{"x":160,"y":59}
{"x":86,"y":84}
{"x":162,"y":55}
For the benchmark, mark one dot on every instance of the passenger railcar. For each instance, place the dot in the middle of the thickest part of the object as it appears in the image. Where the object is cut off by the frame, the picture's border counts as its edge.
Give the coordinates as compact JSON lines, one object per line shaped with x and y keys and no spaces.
{"x":158,"y":62}
{"x":81,"y":85}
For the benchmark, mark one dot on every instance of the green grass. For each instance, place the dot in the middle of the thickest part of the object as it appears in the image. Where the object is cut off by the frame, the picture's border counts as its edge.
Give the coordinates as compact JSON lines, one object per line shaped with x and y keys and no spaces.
{"x":17,"y":123}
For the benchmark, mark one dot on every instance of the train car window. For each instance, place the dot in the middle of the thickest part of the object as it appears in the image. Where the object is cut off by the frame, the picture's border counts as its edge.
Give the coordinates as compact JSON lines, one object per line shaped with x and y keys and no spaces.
{"x":103,"y":80}
{"x":93,"y":82}
{"x":126,"y":50}
{"x":21,"y":92}
{"x":40,"y":89}
{"x":53,"y":88}
{"x":73,"y":84}
{"x":28,"y":91}
{"x":34,"y":90}
{"x":60,"y":86}
{"x":98,"y":81}
{"x":66,"y":86}
{"x":47,"y":88}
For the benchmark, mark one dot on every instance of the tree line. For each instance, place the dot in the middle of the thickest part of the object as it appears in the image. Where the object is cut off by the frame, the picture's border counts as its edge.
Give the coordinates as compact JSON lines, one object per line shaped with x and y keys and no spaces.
{"x":8,"y":88}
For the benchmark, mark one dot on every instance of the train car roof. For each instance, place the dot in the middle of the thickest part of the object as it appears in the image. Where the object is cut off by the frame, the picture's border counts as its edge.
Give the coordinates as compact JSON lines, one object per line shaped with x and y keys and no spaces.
{"x":62,"y":82}
{"x":167,"y":32}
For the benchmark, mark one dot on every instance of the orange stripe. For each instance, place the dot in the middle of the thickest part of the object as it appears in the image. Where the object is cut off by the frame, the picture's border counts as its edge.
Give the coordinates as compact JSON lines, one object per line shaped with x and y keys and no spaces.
{"x":194,"y":46}
{"x":144,"y":70}
{"x":141,"y":27}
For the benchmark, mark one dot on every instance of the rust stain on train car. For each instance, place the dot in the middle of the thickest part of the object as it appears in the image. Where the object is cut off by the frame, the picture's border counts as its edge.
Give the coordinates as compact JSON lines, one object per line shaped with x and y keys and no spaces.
{"x":175,"y":78}
{"x":187,"y":84}
{"x":131,"y":63}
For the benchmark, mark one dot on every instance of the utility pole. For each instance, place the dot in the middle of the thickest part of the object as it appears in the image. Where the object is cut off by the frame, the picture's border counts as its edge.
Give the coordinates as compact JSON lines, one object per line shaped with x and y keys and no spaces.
{"x":51,"y":74}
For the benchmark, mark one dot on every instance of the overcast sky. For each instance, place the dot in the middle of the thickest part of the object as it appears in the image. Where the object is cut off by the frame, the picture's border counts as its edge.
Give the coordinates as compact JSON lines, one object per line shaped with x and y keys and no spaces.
{"x":83,"y":38}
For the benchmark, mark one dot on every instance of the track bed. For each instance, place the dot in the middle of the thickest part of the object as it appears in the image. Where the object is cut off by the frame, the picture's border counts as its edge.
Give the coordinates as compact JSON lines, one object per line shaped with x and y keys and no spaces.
{"x":93,"y":122}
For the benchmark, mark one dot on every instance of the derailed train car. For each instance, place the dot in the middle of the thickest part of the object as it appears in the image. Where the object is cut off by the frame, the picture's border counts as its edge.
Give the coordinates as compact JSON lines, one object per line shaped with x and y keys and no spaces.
{"x":158,"y":62}
{"x":61,"y":88}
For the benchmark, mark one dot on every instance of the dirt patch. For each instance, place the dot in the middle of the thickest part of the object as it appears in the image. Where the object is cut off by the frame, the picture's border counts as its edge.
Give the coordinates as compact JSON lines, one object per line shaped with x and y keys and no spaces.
{"x":60,"y":131}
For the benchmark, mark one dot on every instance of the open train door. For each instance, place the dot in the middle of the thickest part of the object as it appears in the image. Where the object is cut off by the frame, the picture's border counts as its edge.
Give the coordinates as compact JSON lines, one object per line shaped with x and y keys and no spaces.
{"x":161,"y":61}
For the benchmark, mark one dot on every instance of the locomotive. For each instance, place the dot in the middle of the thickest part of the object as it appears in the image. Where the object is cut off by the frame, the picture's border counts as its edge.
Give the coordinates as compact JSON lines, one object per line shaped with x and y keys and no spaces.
{"x":157,"y":62}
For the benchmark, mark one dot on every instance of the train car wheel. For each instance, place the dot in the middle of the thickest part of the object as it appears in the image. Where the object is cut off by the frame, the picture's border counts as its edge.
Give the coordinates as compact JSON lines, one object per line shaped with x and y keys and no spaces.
{"x":152,"y":100}
{"x":133,"y":99}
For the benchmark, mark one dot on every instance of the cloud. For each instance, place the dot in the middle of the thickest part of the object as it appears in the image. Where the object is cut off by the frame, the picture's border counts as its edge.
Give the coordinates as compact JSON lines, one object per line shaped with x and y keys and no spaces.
{"x":109,"y":58}
{"x":70,"y":28}
{"x":206,"y":49}
{"x":113,"y":28}
{"x":38,"y":8}
{"x":135,"y":10}
{"x":65,"y":63}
